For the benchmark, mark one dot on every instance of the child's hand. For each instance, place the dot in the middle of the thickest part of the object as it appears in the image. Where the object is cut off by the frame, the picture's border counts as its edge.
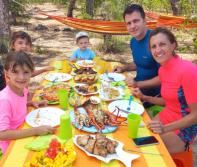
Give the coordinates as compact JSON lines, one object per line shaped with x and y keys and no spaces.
{"x":49,"y":68}
{"x":37,"y":104}
{"x":44,"y":130}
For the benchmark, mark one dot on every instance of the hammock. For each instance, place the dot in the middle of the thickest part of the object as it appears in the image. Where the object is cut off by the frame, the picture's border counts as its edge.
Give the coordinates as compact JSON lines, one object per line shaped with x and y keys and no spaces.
{"x":119,"y":28}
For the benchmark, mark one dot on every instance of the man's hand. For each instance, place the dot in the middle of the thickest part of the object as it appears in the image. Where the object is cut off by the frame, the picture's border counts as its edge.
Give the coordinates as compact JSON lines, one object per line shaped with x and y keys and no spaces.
{"x":137,"y":93}
{"x":118,"y":69}
{"x":131,"y":82}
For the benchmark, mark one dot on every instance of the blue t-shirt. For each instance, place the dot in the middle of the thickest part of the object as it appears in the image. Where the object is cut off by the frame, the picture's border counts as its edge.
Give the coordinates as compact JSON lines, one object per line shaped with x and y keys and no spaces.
{"x":87,"y":54}
{"x":146,"y":66}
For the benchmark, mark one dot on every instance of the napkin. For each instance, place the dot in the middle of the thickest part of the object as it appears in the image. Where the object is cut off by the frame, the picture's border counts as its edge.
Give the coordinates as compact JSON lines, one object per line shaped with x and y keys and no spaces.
{"x":40,"y":143}
{"x":58,"y":65}
{"x":1,"y":154}
{"x":120,"y":83}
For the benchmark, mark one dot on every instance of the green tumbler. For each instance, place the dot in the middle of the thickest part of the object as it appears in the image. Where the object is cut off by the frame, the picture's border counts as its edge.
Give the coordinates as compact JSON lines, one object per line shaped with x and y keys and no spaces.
{"x":133,"y":124}
{"x":63,"y":98}
{"x":65,"y":130}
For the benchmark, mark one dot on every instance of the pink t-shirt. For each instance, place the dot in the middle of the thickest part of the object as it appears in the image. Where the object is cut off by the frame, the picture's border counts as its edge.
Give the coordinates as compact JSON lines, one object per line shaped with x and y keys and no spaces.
{"x":13,"y":110}
{"x":179,"y":88}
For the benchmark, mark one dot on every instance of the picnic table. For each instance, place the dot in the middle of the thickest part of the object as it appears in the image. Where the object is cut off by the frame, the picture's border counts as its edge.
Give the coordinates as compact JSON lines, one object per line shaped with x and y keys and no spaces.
{"x":150,"y":156}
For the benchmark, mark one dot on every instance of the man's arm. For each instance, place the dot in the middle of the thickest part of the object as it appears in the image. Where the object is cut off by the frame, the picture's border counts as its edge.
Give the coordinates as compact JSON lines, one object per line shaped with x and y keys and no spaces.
{"x":149,"y":83}
{"x":143,"y":84}
{"x":126,"y":67}
{"x":154,"y":100}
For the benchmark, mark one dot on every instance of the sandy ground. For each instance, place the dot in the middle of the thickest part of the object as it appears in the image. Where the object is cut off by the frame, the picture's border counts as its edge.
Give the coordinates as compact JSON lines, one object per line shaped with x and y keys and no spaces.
{"x":60,"y":44}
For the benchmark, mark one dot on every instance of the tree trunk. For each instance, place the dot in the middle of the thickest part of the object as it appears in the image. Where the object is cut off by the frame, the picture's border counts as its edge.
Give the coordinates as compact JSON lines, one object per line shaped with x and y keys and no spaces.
{"x":90,"y":7}
{"x":4,"y":26}
{"x":175,"y":7}
{"x":71,"y":8}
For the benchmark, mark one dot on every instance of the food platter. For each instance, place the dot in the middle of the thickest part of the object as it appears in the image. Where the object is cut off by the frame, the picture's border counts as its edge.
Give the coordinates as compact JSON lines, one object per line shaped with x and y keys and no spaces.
{"x":114,"y":77}
{"x":112,"y":93}
{"x":86,"y":90}
{"x":90,"y":129}
{"x":135,"y":108}
{"x":58,"y":77}
{"x":121,"y":155}
{"x":86,"y":78}
{"x":77,"y":100}
{"x":79,"y":71}
{"x":44,"y":116}
{"x":85,"y":63}
{"x":50,"y":92}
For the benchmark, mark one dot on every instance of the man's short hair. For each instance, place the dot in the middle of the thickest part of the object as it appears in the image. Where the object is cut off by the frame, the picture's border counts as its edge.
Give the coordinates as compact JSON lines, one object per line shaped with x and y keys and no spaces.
{"x":134,"y":8}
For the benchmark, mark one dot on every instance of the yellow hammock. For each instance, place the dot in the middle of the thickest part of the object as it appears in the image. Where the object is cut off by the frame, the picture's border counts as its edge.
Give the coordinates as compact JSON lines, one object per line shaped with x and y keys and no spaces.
{"x":119,"y":28}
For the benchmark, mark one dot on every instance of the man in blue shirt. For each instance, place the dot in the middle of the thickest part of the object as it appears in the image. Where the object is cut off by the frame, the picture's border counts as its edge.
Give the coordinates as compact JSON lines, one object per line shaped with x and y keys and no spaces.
{"x":144,"y":64}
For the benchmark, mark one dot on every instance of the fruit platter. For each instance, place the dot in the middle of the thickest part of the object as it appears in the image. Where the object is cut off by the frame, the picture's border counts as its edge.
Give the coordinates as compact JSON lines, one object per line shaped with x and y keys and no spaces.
{"x":56,"y":155}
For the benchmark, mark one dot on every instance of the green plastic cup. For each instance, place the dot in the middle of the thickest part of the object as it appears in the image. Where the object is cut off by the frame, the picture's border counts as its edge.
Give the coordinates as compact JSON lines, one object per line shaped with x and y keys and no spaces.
{"x":65,"y":130}
{"x":63,"y":98}
{"x":133,"y":124}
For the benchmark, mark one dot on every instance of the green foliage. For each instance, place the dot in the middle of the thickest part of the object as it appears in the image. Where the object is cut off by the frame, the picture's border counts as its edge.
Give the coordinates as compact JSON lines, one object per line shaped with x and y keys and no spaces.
{"x":4,"y":44}
{"x":40,"y":50}
{"x":17,"y":8}
{"x":195,"y":41}
{"x":112,"y":45}
{"x":52,"y":1}
{"x":112,"y":9}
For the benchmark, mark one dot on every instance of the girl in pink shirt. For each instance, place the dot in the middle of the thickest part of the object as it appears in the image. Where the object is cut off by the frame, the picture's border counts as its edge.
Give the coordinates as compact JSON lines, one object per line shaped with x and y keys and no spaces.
{"x":177,"y":122}
{"x":13,"y":100}
{"x":21,"y":41}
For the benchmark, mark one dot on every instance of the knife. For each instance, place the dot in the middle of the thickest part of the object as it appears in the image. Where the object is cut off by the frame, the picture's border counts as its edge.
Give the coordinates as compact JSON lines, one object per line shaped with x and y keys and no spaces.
{"x":124,"y":111}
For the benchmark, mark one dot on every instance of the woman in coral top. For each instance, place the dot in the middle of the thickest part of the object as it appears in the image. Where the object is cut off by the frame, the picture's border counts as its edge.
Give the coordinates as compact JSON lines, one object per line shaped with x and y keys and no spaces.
{"x":177,"y":122}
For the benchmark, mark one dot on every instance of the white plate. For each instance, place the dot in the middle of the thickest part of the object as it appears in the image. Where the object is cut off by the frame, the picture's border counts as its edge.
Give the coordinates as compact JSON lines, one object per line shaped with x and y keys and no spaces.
{"x":116,"y":76}
{"x":58,"y":77}
{"x":85,"y":63}
{"x":120,"y":155}
{"x":104,"y":96}
{"x":44,"y":116}
{"x":85,"y":94}
{"x":135,"y":107}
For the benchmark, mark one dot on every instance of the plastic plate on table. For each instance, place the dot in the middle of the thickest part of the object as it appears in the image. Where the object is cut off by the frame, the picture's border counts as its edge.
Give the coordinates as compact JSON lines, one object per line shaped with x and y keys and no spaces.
{"x":88,"y":93}
{"x":85,"y":63}
{"x":113,"y":77}
{"x":44,"y":116}
{"x":90,"y":129}
{"x":110,"y":94}
{"x":58,"y":77}
{"x":135,"y":108}
{"x":121,"y":155}
{"x":50,"y":91}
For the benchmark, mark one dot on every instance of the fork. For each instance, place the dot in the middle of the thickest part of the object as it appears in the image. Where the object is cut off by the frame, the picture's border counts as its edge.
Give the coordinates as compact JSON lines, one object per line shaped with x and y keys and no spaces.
{"x":110,"y":78}
{"x":130,"y":99}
